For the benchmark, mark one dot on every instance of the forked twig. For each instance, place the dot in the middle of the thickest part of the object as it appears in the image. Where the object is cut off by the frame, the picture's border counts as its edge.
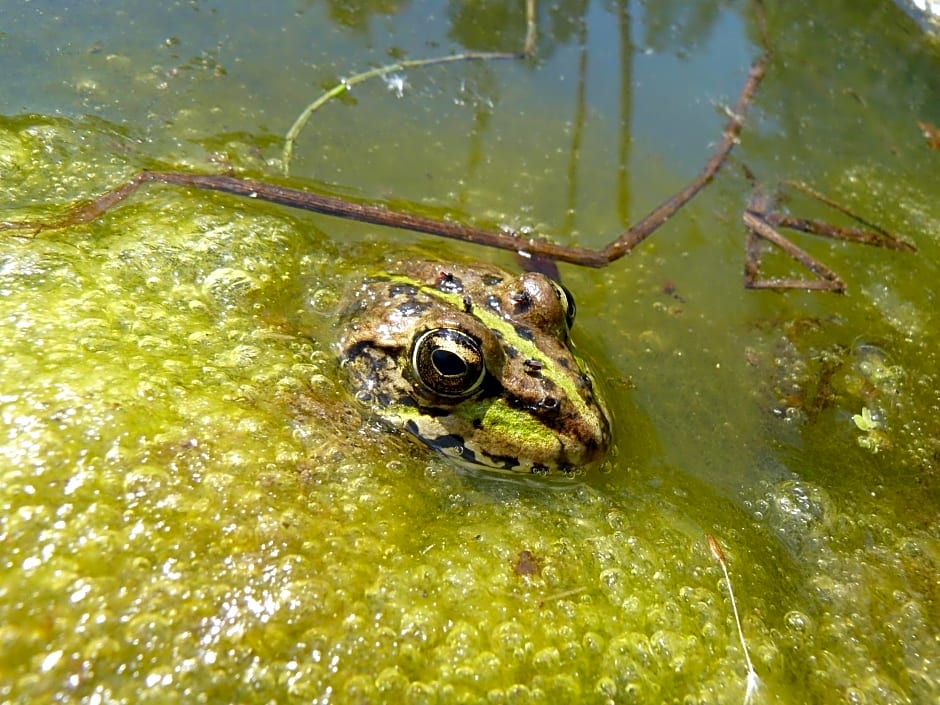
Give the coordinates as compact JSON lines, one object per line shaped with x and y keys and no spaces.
{"x":761,"y":223}
{"x":752,"y":682}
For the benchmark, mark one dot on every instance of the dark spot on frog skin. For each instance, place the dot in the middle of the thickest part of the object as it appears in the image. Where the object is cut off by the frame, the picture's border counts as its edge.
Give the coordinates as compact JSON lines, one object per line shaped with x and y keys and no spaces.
{"x":524,"y":333}
{"x":492,"y":280}
{"x":413,"y":308}
{"x":399,"y":289}
{"x":506,"y":462}
{"x":450,"y":441}
{"x":527,"y":564}
{"x":533,"y":367}
{"x":467,"y":303}
{"x":492,"y":302}
{"x":455,"y":442}
{"x":449,"y":283}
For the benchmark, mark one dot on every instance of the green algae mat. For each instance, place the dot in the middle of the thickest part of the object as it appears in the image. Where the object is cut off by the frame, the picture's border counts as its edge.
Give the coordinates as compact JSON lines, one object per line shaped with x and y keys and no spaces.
{"x":193,"y":508}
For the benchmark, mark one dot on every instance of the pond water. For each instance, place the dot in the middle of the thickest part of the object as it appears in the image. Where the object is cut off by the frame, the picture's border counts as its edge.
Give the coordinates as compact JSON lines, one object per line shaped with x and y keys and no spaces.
{"x":191,"y":509}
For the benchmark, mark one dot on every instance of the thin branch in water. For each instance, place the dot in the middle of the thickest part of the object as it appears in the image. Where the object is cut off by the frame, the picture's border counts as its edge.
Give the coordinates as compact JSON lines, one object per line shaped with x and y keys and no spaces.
{"x":753,"y":682}
{"x":531,"y":31}
{"x":346,"y":84}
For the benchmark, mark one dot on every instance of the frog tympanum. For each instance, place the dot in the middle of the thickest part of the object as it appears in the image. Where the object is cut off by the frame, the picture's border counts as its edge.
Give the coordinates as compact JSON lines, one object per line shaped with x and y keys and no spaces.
{"x":477,"y":364}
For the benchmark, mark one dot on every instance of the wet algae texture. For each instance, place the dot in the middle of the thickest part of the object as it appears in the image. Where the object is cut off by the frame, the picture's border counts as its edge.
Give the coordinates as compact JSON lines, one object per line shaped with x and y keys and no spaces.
{"x":191,"y":509}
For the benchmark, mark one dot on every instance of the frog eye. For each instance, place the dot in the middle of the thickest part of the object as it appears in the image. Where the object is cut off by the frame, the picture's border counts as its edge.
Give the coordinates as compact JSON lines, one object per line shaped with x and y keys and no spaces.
{"x":567,"y":302}
{"x":448,"y":362}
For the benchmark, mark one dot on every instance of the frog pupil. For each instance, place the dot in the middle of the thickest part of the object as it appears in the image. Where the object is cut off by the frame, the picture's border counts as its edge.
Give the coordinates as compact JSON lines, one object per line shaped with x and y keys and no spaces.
{"x":448,"y":363}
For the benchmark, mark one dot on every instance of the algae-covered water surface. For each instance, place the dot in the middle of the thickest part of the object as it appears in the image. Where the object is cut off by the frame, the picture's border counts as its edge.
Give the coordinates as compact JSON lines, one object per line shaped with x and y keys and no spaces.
{"x":193,"y":510}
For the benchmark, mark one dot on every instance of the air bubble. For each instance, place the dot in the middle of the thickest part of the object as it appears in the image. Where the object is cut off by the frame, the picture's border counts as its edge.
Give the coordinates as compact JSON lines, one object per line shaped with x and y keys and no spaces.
{"x":798,"y":622}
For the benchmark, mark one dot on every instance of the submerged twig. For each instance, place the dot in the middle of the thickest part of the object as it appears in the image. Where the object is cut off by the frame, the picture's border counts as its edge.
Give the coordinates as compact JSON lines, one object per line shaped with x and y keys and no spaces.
{"x":761,"y":222}
{"x":752,"y":682}
{"x":347,"y":84}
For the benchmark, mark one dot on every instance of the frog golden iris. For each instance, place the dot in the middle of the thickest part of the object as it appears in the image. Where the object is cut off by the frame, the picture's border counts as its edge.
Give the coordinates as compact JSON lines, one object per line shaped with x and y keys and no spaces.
{"x":477,"y":364}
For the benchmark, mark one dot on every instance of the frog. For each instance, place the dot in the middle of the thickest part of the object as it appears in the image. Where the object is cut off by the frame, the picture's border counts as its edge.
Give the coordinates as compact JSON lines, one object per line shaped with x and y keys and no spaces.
{"x":476,"y":363}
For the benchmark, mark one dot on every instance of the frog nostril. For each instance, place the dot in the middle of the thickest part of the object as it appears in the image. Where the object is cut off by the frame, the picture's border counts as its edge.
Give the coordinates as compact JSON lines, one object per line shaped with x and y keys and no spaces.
{"x":522,"y":301}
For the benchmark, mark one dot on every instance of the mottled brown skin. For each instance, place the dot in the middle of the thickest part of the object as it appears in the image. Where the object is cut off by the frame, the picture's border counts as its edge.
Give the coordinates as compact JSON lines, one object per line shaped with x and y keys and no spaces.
{"x":548,"y":418}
